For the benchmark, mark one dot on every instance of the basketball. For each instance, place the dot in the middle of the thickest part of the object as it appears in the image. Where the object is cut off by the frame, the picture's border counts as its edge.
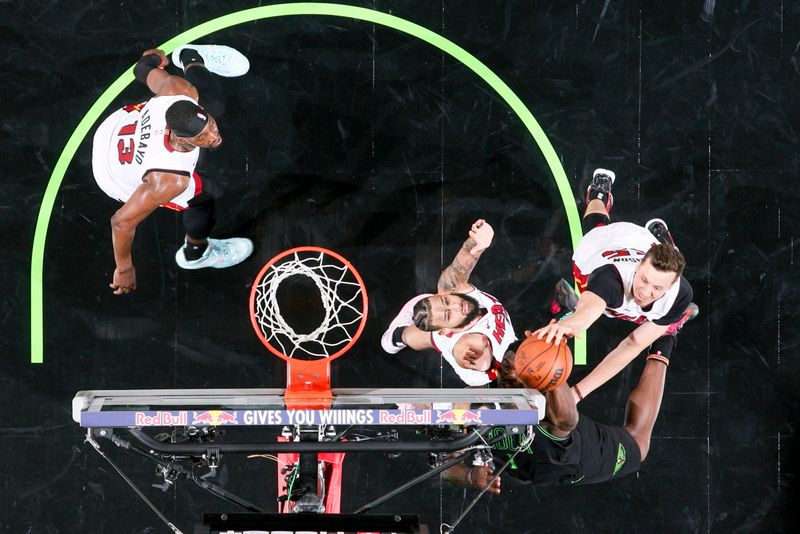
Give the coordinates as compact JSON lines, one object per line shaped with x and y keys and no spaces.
{"x":541,"y":365}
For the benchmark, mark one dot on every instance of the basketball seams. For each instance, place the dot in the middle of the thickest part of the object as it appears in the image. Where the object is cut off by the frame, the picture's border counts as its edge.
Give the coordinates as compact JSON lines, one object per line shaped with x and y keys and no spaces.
{"x":559,"y":356}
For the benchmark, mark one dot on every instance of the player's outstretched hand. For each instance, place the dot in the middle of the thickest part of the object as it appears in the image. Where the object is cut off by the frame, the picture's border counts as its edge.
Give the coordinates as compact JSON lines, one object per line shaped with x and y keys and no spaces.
{"x":475,"y":351}
{"x":554,"y":332}
{"x":159,"y":53}
{"x":480,"y":478}
{"x":124,"y":281}
{"x":483,"y":233}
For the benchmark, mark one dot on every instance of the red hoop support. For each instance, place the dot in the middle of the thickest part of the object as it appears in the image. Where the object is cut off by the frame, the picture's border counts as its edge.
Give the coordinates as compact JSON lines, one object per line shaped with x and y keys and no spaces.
{"x":308,"y":382}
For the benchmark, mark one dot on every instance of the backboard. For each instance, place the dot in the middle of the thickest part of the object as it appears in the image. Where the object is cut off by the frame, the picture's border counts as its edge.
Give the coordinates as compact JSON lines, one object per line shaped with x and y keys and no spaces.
{"x":267,"y":407}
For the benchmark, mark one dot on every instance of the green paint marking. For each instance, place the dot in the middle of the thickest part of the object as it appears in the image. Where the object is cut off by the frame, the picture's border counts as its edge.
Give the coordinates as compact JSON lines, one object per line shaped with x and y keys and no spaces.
{"x":266,"y":12}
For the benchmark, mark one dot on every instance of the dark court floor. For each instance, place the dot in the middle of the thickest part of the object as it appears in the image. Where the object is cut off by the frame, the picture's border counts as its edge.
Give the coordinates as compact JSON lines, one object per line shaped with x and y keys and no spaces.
{"x":369,"y":141}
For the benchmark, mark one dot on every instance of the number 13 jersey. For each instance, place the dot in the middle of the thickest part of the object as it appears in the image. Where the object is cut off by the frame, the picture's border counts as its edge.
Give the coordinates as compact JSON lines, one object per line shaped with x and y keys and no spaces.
{"x":134,"y":141}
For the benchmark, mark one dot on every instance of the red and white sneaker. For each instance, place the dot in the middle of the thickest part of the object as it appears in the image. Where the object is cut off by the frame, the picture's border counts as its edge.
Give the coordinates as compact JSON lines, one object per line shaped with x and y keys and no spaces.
{"x":404,"y":318}
{"x":691,"y":312}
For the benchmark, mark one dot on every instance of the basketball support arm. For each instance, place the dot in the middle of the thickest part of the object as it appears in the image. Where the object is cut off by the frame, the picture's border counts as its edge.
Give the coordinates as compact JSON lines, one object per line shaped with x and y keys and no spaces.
{"x":213,"y":453}
{"x":165,"y":465}
{"x":413,"y":482}
{"x":433,"y":472}
{"x":200,"y":449}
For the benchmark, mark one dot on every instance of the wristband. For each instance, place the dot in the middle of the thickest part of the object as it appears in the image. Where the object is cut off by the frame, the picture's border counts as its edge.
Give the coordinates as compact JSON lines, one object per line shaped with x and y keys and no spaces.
{"x":145,"y":65}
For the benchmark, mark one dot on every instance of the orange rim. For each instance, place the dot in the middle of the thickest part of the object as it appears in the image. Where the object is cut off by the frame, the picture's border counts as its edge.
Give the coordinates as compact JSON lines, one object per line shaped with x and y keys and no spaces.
{"x":310,"y":248}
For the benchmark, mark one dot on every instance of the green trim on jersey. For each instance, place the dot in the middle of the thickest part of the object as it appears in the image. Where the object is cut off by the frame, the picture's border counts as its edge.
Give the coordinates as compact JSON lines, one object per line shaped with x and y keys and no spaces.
{"x":548,"y":435}
{"x":622,"y":457}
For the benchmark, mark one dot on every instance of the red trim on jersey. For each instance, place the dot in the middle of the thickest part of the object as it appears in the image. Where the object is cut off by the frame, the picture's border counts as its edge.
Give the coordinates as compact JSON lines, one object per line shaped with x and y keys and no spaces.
{"x":494,"y":370}
{"x":638,"y":320}
{"x":581,"y":280}
{"x":166,"y":141}
{"x":198,"y":188}
{"x":198,"y":183}
{"x":434,"y":344}
{"x":135,"y":107}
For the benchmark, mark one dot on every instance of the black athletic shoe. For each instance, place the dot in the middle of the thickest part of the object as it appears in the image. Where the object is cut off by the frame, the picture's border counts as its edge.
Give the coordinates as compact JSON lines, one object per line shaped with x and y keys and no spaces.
{"x":600,"y":188}
{"x":659,"y":229}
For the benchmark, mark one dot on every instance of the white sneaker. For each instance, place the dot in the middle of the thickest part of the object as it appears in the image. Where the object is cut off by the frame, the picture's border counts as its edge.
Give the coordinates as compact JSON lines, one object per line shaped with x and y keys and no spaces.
{"x":404,"y":318}
{"x":219,"y":254}
{"x":219,"y":59}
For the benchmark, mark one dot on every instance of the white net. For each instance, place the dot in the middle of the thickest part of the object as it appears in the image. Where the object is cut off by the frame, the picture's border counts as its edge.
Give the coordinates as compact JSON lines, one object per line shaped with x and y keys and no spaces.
{"x":342,"y":301}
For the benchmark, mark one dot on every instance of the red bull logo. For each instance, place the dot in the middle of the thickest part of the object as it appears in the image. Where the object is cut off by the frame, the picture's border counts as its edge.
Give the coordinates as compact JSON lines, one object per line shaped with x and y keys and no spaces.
{"x":214,"y":418}
{"x":458,"y":417}
{"x":160,"y":418}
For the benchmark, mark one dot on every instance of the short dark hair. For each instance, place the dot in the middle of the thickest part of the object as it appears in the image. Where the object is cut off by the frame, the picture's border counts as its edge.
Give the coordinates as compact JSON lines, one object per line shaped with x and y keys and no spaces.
{"x":422,"y":315}
{"x":666,"y":258}
{"x":186,"y":118}
{"x":507,"y":374}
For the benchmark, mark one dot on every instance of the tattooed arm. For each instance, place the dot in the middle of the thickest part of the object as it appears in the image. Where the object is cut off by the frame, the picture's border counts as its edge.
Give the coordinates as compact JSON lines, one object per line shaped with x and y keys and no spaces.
{"x":455,"y":278}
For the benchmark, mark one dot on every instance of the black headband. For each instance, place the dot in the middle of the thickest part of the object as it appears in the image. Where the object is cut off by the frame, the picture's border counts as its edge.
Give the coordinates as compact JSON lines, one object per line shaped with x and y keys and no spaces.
{"x":194,"y":126}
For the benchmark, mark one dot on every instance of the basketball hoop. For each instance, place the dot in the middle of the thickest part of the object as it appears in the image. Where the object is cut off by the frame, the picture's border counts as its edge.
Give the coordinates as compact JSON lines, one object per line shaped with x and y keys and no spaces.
{"x":339,"y":322}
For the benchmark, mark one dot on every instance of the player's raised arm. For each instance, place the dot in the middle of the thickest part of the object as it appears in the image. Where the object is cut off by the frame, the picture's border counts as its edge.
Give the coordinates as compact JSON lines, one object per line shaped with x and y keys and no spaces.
{"x":455,"y":278}
{"x":150,"y":71}
{"x":479,"y":477}
{"x":590,"y":307}
{"x":621,"y":356}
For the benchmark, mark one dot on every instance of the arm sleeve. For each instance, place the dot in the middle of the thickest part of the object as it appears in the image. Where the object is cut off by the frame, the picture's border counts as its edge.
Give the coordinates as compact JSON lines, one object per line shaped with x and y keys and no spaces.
{"x":682,"y":301}
{"x":606,"y":284}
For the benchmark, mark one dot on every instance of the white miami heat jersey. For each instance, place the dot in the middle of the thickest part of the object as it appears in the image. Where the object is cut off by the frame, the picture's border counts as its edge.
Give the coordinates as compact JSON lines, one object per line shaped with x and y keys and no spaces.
{"x":495,"y":325}
{"x":133,"y":141}
{"x":622,"y":245}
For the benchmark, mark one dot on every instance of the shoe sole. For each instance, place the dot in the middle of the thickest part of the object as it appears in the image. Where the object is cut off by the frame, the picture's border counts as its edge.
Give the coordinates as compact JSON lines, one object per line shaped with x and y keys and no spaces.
{"x":610,"y":174}
{"x":176,"y":60}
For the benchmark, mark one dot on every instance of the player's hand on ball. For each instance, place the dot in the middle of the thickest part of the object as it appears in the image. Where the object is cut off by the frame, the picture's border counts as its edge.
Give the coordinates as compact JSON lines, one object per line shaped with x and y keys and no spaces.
{"x":555,"y":332}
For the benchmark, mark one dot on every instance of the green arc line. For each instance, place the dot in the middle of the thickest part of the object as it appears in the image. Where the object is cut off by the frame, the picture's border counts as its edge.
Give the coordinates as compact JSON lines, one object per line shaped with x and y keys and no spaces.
{"x":265,"y":12}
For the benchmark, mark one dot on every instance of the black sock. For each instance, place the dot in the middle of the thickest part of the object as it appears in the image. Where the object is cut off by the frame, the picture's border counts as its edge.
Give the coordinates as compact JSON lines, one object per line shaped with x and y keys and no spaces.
{"x":661,"y":349}
{"x":194,"y":252}
{"x":397,"y":335}
{"x":189,"y":56}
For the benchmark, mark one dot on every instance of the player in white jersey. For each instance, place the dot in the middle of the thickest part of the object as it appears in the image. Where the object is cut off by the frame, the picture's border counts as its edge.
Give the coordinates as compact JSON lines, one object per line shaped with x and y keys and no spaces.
{"x":628,"y":272}
{"x":471,"y":329}
{"x":144,"y":155}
